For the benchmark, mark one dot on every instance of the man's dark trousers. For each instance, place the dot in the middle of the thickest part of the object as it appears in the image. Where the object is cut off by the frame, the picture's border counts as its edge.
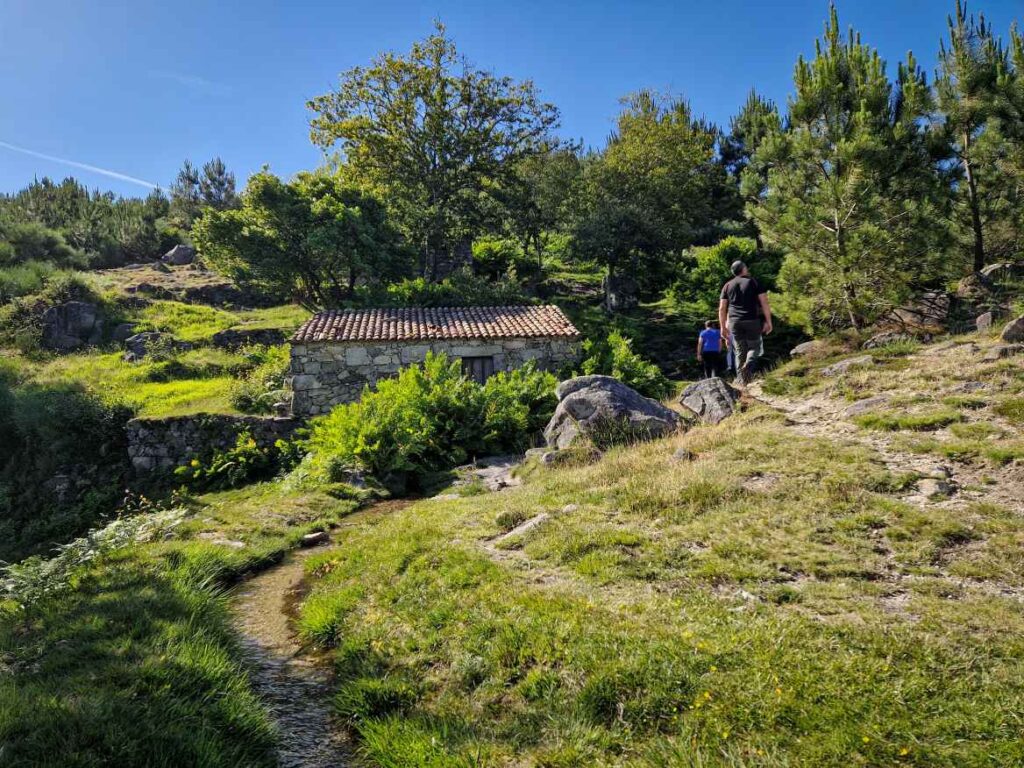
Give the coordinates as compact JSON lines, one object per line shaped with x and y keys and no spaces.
{"x":746,"y":336}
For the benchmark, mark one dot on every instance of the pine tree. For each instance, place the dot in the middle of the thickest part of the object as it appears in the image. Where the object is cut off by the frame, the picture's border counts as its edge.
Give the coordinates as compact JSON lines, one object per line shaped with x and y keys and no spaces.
{"x":756,"y":120}
{"x":854,"y":196}
{"x":217,"y":186}
{"x":967,"y":84}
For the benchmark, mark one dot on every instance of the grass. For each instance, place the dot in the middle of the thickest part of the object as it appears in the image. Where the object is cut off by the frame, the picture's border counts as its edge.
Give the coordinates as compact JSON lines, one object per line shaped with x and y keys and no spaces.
{"x":916,"y":422}
{"x":681,"y":615}
{"x":199,"y":380}
{"x":137,"y":664}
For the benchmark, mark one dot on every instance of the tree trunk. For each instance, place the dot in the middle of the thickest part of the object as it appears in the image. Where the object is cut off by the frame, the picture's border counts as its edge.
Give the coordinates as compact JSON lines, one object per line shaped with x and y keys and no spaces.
{"x":975,"y":206}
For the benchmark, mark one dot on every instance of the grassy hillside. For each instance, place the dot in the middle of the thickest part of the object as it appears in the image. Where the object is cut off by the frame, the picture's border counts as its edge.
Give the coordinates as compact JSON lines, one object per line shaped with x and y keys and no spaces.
{"x":740,"y":595}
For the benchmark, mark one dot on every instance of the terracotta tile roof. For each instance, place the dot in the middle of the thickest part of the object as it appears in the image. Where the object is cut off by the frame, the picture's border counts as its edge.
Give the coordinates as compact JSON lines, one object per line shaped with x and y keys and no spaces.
{"x":421,"y":323}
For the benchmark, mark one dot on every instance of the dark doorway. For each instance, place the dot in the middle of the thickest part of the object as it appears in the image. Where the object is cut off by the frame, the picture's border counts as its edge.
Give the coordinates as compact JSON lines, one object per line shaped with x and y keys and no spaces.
{"x":479,"y":369}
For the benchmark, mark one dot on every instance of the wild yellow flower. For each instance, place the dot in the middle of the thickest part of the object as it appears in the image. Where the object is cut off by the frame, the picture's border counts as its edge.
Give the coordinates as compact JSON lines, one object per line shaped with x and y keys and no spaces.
{"x":905,"y":751}
{"x":865,"y":739}
{"x":725,"y":734}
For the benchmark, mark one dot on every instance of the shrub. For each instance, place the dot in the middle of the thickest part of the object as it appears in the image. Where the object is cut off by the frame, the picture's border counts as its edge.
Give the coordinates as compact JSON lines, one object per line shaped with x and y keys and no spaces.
{"x":51,"y":486}
{"x":245,"y":462}
{"x":429,"y":418}
{"x":258,"y":389}
{"x":615,"y":357}
{"x":461,"y":289}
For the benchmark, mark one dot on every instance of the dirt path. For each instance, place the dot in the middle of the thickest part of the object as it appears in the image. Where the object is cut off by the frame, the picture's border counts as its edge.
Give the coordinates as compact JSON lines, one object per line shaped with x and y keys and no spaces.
{"x":296,"y":687}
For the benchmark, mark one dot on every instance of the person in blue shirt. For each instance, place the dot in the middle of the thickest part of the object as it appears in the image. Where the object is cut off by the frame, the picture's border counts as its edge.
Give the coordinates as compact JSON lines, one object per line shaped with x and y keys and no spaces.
{"x":709,"y":349}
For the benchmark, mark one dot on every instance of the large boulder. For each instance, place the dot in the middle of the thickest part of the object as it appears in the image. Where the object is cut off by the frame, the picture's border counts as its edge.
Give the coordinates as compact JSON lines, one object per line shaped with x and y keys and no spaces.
{"x":72,"y":325}
{"x":929,"y":310}
{"x":711,"y":400}
{"x":179,"y":255}
{"x":808,"y":348}
{"x":1013,"y":331}
{"x":602,"y":410}
{"x":144,"y":344}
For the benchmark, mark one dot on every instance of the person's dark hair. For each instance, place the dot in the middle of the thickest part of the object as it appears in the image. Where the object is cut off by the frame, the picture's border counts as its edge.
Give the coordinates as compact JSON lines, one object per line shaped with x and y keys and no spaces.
{"x":709,"y":323}
{"x":738,"y":267}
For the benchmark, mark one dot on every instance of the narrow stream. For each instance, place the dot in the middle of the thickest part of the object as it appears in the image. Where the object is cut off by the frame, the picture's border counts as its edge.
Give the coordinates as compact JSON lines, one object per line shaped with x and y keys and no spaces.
{"x":295,"y":687}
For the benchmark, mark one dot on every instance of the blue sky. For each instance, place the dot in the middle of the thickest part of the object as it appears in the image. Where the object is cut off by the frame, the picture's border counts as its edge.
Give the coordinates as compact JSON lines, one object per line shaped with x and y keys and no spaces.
{"x":135,"y":87}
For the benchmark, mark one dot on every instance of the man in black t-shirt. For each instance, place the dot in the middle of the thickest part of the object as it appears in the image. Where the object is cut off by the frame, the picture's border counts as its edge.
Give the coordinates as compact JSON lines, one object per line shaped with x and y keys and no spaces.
{"x":744,"y":315}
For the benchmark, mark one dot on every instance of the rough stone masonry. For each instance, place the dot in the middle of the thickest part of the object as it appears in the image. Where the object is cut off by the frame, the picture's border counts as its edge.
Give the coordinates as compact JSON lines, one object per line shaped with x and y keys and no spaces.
{"x":336,"y":354}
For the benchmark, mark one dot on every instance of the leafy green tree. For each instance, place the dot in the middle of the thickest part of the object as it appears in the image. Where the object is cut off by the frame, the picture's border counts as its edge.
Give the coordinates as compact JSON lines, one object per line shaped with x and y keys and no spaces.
{"x":706,"y":269}
{"x":435,"y":138}
{"x":656,"y":189}
{"x":967,"y":85}
{"x":314,"y":239}
{"x":756,"y":120}
{"x":855,"y":197}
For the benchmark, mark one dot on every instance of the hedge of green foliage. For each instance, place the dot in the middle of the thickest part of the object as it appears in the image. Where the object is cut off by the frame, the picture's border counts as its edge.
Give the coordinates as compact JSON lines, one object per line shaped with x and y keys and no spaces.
{"x":461,"y":289}
{"x":430,"y":418}
{"x":615,"y":357}
{"x":62,"y":463}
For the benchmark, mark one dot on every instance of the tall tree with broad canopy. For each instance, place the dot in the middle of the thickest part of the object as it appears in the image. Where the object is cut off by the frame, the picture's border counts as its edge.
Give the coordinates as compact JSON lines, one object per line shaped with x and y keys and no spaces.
{"x":434,"y":137}
{"x":313,"y":239}
{"x":855,"y":195}
{"x":971,"y":67}
{"x":655,"y":190}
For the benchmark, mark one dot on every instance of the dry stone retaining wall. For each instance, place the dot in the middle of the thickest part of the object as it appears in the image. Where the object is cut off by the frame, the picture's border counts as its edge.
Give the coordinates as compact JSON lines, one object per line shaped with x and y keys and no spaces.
{"x":324,"y":374}
{"x":163,"y":444}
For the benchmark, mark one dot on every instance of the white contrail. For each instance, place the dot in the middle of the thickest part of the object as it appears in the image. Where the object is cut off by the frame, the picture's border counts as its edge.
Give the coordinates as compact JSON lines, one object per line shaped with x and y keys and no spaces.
{"x":76,"y":164}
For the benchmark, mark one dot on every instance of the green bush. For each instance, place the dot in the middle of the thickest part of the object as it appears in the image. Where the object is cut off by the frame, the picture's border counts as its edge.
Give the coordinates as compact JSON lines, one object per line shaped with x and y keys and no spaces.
{"x":243,"y":463}
{"x":461,"y":289}
{"x":259,"y":388}
{"x":429,"y":418}
{"x":615,"y":357}
{"x":706,"y":270}
{"x":51,"y":487}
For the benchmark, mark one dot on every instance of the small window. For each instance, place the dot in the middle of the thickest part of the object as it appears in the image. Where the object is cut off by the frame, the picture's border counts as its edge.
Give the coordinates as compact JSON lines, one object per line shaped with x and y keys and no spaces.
{"x":479,"y":369}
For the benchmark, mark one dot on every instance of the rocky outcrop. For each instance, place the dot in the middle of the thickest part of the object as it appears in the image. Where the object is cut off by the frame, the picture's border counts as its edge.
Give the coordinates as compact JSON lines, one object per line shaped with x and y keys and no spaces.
{"x":711,"y":400}
{"x":843,"y":366}
{"x":233,"y":338}
{"x":807,"y":348}
{"x":143,"y":344}
{"x":1013,"y":331}
{"x":929,"y":310}
{"x":179,"y":255}
{"x":162,"y":444}
{"x":601,"y":410}
{"x":72,"y":325}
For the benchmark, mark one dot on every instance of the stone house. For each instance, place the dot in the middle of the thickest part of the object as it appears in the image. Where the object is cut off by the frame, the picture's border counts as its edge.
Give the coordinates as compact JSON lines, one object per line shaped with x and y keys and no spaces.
{"x":337,"y":353}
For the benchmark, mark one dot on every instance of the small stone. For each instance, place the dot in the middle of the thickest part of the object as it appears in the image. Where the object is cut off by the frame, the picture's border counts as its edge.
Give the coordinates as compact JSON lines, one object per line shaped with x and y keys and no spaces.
{"x":983,"y":321}
{"x":570,"y":508}
{"x":865,"y":405}
{"x":683,"y":454}
{"x":931,"y":487}
{"x":315,"y":539}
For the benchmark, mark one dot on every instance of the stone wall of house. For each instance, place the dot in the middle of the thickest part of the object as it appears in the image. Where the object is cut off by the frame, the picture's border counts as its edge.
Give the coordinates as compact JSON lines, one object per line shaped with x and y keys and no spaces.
{"x":163,"y":444}
{"x":324,"y":374}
